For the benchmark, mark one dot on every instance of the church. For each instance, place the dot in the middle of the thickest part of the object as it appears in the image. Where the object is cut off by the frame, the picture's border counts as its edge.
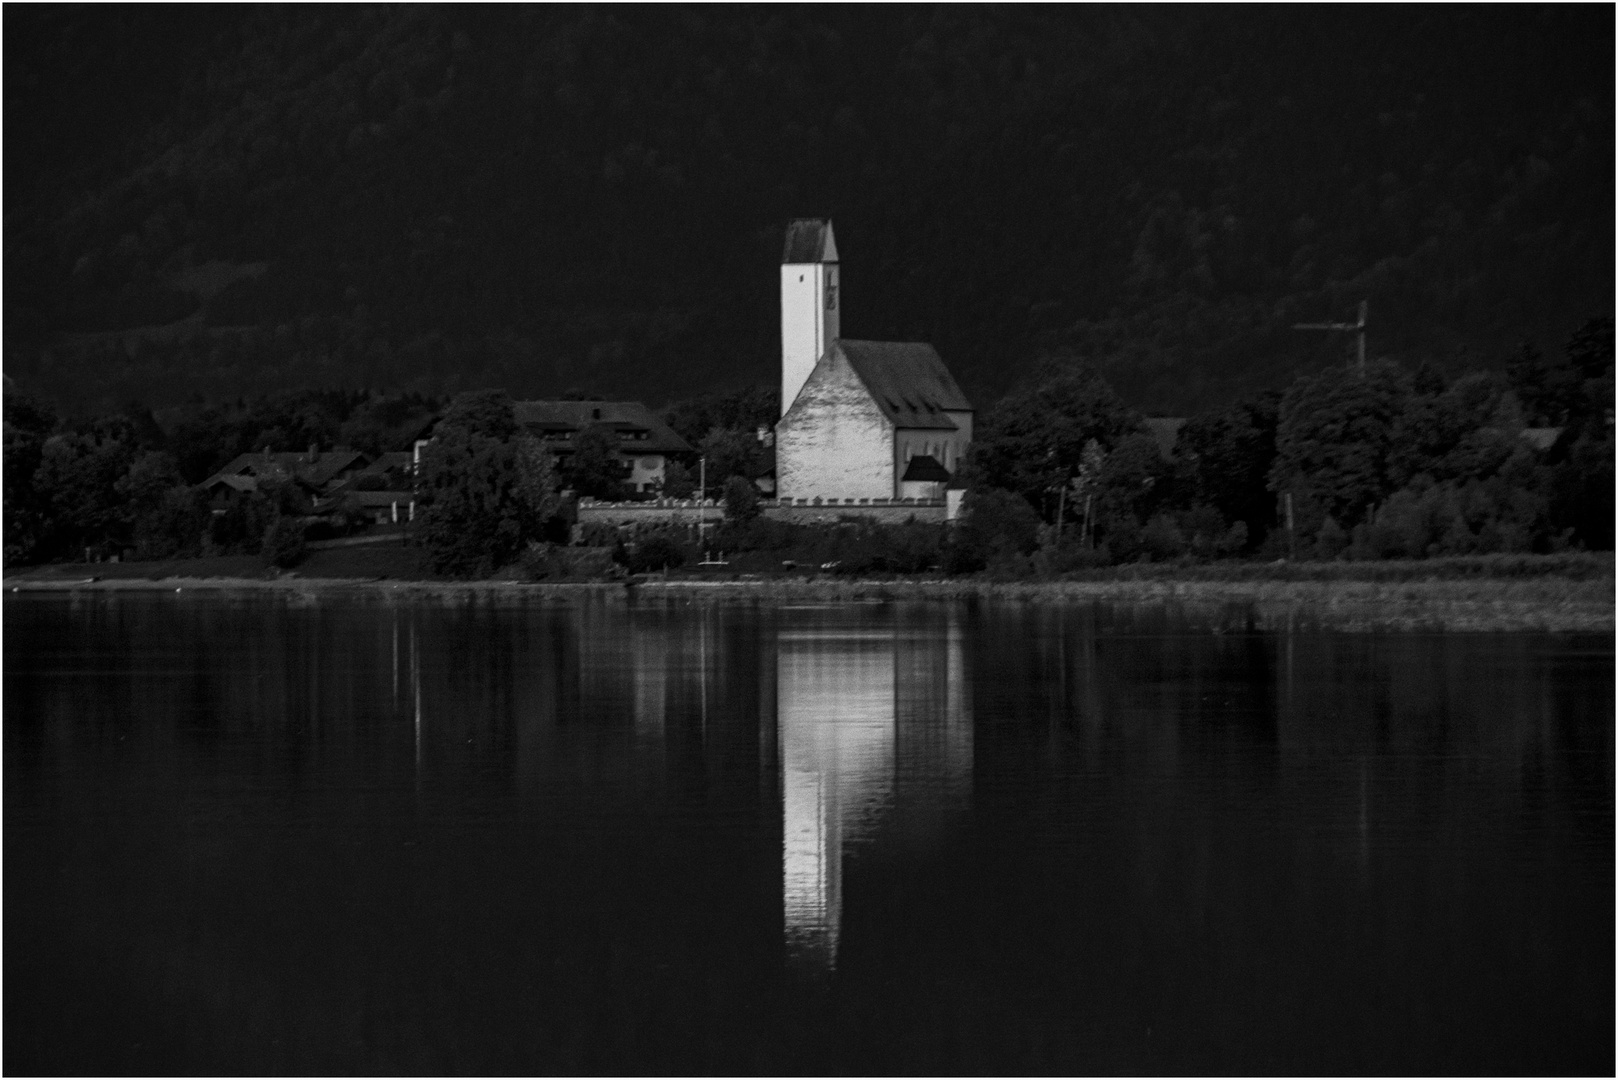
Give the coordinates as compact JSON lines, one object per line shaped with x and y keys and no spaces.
{"x":861,"y":421}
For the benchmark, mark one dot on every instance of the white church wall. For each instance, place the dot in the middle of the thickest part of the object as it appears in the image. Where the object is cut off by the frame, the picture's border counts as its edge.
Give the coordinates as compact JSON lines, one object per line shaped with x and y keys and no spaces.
{"x":810,"y":321}
{"x":834,"y":443}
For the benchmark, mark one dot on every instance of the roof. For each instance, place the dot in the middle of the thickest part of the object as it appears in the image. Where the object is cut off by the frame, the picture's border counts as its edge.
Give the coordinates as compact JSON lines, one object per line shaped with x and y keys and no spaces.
{"x":1166,"y":430}
{"x":378,"y":498}
{"x":401,"y":460}
{"x":318,"y":469}
{"x":925,"y":467}
{"x":566,"y":417}
{"x":908,"y":381}
{"x":234,"y":482}
{"x":809,"y":240}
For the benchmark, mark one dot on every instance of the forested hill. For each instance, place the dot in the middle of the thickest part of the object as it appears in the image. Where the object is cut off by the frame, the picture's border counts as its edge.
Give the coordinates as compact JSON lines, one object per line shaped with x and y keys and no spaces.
{"x":556,"y":197}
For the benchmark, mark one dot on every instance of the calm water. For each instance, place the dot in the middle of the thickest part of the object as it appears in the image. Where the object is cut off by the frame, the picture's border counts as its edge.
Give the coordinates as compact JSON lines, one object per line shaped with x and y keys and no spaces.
{"x":355,"y":835}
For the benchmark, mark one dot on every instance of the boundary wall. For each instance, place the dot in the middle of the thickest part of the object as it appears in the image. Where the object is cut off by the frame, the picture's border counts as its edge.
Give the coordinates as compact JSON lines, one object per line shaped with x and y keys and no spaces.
{"x":798,"y":511}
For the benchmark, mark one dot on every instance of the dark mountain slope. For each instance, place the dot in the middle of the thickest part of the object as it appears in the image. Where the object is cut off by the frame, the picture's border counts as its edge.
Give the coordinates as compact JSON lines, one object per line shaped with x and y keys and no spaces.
{"x":541,"y":198}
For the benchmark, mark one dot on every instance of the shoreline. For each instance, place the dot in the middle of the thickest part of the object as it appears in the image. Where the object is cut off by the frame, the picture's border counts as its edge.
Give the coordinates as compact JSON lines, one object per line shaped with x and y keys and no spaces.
{"x":1545,"y":604}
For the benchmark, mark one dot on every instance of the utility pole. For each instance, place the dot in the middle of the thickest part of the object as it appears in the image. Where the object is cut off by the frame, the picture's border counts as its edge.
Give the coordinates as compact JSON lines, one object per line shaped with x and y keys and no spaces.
{"x":1359,"y":327}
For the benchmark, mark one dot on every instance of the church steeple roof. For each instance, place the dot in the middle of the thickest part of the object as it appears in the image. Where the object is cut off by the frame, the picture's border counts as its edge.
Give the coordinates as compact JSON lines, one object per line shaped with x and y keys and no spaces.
{"x":809,"y":240}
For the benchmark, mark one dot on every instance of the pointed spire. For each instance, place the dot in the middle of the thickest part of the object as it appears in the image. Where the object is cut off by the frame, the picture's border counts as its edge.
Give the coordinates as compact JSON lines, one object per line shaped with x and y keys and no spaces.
{"x":809,"y":240}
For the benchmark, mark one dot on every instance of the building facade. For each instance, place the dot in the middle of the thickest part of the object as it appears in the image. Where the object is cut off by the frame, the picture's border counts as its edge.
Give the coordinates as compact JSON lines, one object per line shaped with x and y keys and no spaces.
{"x":856,"y":417}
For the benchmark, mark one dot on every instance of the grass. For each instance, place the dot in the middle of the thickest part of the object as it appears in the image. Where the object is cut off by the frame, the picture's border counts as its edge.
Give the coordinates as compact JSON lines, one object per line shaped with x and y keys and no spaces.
{"x":1566,"y":592}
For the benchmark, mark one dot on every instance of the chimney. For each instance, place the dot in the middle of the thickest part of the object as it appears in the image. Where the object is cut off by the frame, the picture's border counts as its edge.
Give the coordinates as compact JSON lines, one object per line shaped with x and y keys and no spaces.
{"x":314,"y":452}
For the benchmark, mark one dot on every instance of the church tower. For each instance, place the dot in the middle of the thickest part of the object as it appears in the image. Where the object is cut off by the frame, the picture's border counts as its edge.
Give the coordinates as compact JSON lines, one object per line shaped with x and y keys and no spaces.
{"x":810,"y":316}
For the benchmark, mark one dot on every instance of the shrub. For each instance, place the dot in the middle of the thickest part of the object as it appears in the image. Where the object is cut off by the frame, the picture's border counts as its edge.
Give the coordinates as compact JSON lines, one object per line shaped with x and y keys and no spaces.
{"x":176,"y":526}
{"x":911,"y":548}
{"x":741,"y":500}
{"x":283,"y":543}
{"x":1330,"y":540}
{"x":1162,"y":539}
{"x":994,"y":524}
{"x":542,"y":561}
{"x":655,"y":551}
{"x":761,"y":534}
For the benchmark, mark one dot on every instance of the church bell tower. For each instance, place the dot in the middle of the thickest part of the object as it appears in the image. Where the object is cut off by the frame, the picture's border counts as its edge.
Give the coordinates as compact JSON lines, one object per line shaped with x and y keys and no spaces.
{"x":810,"y":304}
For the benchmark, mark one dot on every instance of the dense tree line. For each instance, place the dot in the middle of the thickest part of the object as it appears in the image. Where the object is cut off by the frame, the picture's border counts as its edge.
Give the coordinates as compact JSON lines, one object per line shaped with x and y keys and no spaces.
{"x":1388,"y":462}
{"x":441,"y":198}
{"x":127,"y":481}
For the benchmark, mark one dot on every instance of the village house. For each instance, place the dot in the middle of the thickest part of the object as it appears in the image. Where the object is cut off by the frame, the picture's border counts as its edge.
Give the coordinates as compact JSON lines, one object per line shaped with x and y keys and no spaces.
{"x":315,"y":473}
{"x":646,"y":444}
{"x":383,"y":492}
{"x":862,"y":421}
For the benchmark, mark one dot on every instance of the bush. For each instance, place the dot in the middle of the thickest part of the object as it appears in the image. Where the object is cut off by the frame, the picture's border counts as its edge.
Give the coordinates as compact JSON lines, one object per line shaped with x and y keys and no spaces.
{"x":741,"y":500}
{"x":655,"y":551}
{"x":542,"y":561}
{"x":1330,"y":540}
{"x":994,"y":524}
{"x":1162,"y":539}
{"x":176,"y":526}
{"x":283,"y":543}
{"x":911,"y":548}
{"x":761,"y":534}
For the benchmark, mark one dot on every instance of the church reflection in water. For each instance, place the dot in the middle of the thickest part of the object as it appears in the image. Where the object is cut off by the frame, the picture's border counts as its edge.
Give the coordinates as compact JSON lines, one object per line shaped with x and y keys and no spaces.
{"x":875,"y":732}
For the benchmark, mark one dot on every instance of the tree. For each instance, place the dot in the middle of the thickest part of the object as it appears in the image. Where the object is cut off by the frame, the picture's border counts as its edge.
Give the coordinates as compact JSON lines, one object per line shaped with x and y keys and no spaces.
{"x":677,"y":481}
{"x":1230,"y":453}
{"x":1032,"y":442}
{"x":995,"y":525}
{"x":543,"y":511}
{"x":468,"y":514}
{"x":597,"y":469}
{"x":741,"y":500}
{"x":1590,"y":349}
{"x":27,"y":425}
{"x":1335,"y":440}
{"x":482,"y":412}
{"x":731,"y":452}
{"x":175,"y":525}
{"x":1464,"y":431}
{"x":483,"y":499}
{"x":745,"y":410}
{"x":1132,"y":487}
{"x":283,"y":543}
{"x":1545,"y":390}
{"x":77,"y":478}
{"x":148,"y":479}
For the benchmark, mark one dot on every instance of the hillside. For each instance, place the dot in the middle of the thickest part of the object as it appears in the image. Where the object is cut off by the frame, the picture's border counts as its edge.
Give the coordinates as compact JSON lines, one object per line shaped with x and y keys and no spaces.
{"x":228,"y":201}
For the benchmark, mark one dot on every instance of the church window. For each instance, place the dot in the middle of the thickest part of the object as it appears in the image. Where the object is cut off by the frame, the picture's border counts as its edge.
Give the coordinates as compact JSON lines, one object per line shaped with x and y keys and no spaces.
{"x":831,"y":296}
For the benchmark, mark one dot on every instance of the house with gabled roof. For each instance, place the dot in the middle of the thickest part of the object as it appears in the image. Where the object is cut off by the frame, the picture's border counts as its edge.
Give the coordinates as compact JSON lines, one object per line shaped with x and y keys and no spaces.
{"x":858,"y":416}
{"x":316,"y":472}
{"x":645,"y":443}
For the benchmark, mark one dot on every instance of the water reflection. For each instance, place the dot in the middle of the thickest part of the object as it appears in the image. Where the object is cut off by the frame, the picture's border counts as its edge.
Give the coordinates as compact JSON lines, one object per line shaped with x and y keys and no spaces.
{"x":872,"y":724}
{"x":363,"y":837}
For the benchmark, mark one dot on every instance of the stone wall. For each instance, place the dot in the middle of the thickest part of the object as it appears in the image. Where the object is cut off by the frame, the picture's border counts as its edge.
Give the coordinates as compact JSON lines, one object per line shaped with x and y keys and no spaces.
{"x":886,"y":511}
{"x":801,"y":512}
{"x":654,"y":512}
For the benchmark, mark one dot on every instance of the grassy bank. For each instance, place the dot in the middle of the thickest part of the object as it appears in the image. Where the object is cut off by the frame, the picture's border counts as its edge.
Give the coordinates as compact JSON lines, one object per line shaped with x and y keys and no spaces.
{"x":1500,"y":592}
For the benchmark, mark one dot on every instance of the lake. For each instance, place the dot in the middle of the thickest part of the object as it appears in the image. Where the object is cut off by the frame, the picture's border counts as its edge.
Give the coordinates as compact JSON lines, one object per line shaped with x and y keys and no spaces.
{"x":337,"y":833}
